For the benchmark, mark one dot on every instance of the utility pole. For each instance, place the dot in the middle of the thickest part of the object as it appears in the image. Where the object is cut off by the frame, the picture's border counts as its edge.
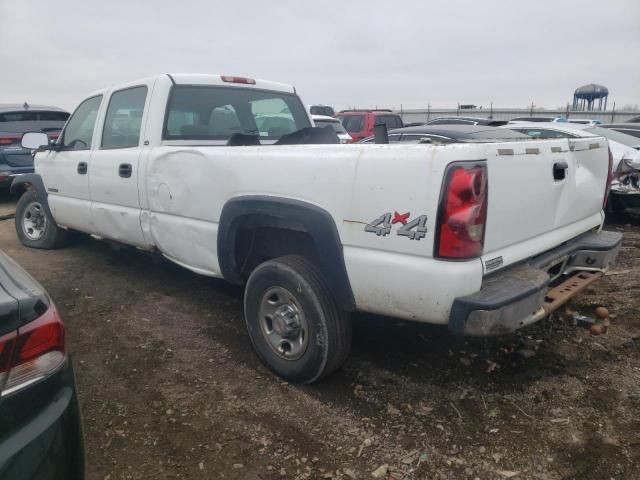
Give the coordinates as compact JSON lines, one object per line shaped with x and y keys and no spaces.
{"x":613,"y":112}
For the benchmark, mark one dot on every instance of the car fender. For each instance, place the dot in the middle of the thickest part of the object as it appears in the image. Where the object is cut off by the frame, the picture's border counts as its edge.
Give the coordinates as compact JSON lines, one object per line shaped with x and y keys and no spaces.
{"x":315,"y":221}
{"x":31,"y":181}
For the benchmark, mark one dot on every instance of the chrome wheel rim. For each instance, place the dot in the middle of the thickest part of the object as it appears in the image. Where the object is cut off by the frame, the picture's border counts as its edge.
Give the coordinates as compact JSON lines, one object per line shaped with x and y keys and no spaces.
{"x":283,"y":323}
{"x":34,"y":221}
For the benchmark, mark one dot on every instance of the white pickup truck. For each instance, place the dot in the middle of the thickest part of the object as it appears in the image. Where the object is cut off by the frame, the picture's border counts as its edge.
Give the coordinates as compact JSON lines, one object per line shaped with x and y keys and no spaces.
{"x":211,"y":172}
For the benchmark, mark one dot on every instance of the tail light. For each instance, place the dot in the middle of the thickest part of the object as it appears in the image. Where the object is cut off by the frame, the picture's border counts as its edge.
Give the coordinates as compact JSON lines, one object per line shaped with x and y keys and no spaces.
{"x":607,"y":187}
{"x":9,"y":139}
{"x":463,"y":212}
{"x":31,"y":353}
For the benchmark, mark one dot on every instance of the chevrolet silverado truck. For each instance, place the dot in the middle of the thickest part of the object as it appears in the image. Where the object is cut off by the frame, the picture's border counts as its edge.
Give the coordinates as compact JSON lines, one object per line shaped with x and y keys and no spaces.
{"x":221,"y":175}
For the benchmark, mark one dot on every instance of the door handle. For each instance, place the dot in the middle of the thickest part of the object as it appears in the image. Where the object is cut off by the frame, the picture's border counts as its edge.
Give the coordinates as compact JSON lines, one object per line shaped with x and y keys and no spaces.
{"x":560,"y":170}
{"x":124,"y":170}
{"x":82,"y":168}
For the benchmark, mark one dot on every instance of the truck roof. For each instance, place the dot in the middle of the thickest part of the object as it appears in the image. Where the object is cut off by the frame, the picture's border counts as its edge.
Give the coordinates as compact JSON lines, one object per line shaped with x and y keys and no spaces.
{"x":212,"y":79}
{"x":215,"y":79}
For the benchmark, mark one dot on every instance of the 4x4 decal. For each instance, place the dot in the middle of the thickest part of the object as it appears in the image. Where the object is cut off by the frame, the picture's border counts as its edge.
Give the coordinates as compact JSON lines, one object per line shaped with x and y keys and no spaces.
{"x":414,"y":229}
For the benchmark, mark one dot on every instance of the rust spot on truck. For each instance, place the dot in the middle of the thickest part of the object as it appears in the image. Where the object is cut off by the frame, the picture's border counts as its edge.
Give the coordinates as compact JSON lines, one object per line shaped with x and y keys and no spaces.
{"x":357,"y":222}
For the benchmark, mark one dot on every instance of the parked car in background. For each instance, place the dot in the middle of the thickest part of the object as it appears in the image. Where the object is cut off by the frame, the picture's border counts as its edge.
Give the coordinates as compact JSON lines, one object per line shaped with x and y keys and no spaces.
{"x":466,"y":121}
{"x":585,"y":121}
{"x":632,"y":129}
{"x":634,"y":120}
{"x":535,"y":119}
{"x":450,"y":134}
{"x":359,"y":123}
{"x":16,"y":120}
{"x":40,"y":426}
{"x":625,"y":161}
{"x":334,"y":124}
{"x":322,"y":110}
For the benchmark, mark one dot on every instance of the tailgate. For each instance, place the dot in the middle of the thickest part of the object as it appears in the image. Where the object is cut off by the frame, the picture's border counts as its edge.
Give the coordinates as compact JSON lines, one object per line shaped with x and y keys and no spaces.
{"x":533,"y":206}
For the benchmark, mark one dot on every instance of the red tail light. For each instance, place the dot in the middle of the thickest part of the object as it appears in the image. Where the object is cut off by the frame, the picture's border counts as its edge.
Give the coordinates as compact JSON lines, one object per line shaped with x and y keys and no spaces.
{"x":232,"y":79}
{"x":9,"y":139}
{"x":463,"y":212}
{"x":607,"y":187}
{"x":32,"y":353}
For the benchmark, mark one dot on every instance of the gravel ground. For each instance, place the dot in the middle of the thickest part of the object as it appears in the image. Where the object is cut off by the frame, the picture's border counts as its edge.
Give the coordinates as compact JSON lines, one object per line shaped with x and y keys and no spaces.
{"x":170,"y":388}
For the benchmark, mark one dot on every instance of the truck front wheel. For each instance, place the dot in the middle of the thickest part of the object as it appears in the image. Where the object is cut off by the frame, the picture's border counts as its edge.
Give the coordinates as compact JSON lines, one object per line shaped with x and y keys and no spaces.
{"x":294,"y":323}
{"x":35,"y":226}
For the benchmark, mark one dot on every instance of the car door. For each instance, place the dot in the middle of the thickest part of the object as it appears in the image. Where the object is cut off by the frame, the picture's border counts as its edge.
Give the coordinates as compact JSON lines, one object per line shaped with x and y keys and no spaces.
{"x":115,"y":166}
{"x":65,"y":170}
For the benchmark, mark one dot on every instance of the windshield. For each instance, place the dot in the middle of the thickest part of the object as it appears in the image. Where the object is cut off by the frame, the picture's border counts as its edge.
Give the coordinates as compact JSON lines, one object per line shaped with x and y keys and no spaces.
{"x":334,"y":124}
{"x":622,"y":138}
{"x":216,"y":113}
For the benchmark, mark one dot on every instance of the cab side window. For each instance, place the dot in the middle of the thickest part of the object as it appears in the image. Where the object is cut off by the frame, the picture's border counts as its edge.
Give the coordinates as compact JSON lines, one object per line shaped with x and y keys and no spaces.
{"x":79,"y":130}
{"x":123,"y":121}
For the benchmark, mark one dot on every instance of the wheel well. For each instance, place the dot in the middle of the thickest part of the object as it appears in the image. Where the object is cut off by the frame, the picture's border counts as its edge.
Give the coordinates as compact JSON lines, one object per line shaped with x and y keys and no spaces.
{"x":253,"y":229}
{"x":257,"y":243}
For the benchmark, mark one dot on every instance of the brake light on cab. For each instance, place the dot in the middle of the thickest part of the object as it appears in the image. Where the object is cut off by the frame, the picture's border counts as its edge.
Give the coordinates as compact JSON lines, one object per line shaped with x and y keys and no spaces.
{"x":31,"y":353}
{"x":463,"y":212}
{"x":234,"y":79}
{"x":9,"y":139}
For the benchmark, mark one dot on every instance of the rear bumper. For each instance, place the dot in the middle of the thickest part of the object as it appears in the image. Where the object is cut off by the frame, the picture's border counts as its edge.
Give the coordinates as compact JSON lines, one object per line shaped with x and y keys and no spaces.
{"x":47,"y":441}
{"x":519,"y":296}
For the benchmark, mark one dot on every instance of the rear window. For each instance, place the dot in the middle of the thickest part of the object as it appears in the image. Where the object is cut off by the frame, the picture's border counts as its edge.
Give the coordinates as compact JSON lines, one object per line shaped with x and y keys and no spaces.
{"x":335,"y":125}
{"x":216,"y":113}
{"x":451,"y":121}
{"x":544,"y":133}
{"x":321,"y":110}
{"x":33,"y":116}
{"x":352,"y":123}
{"x":391,"y":121}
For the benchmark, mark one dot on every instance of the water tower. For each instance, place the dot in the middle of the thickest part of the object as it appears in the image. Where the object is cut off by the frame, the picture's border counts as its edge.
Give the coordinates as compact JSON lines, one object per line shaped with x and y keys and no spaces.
{"x":590,"y":97}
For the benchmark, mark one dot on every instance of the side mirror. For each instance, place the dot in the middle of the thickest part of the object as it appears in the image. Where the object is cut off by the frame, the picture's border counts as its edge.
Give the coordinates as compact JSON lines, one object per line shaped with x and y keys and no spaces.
{"x":35,"y":140}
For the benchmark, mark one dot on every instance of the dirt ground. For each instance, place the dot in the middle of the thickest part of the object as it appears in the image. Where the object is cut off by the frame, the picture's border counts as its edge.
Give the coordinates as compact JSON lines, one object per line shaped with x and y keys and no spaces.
{"x":170,"y":388}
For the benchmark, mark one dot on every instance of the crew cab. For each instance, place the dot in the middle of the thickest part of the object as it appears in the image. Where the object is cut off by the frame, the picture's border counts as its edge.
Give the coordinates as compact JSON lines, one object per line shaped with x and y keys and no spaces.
{"x":225,"y":176}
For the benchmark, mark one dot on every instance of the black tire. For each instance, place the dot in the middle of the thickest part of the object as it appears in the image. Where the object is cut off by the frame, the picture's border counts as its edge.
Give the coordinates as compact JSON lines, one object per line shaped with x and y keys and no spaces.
{"x":51,"y":236}
{"x":328,"y":327}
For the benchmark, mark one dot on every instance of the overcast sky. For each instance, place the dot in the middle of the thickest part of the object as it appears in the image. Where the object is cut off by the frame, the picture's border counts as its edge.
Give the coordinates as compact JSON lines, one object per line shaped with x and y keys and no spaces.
{"x":337,"y":52}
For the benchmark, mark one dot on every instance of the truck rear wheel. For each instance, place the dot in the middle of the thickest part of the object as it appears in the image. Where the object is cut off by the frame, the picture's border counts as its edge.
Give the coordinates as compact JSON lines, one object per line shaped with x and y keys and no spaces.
{"x":35,"y":226}
{"x":294,"y":323}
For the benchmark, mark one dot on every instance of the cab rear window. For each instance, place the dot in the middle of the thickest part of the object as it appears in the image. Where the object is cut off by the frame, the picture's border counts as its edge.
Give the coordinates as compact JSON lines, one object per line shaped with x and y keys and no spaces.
{"x":216,"y":113}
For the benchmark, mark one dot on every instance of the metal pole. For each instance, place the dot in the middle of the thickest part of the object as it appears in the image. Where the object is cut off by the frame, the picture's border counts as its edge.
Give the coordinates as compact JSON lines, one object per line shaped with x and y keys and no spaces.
{"x":613,"y":112}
